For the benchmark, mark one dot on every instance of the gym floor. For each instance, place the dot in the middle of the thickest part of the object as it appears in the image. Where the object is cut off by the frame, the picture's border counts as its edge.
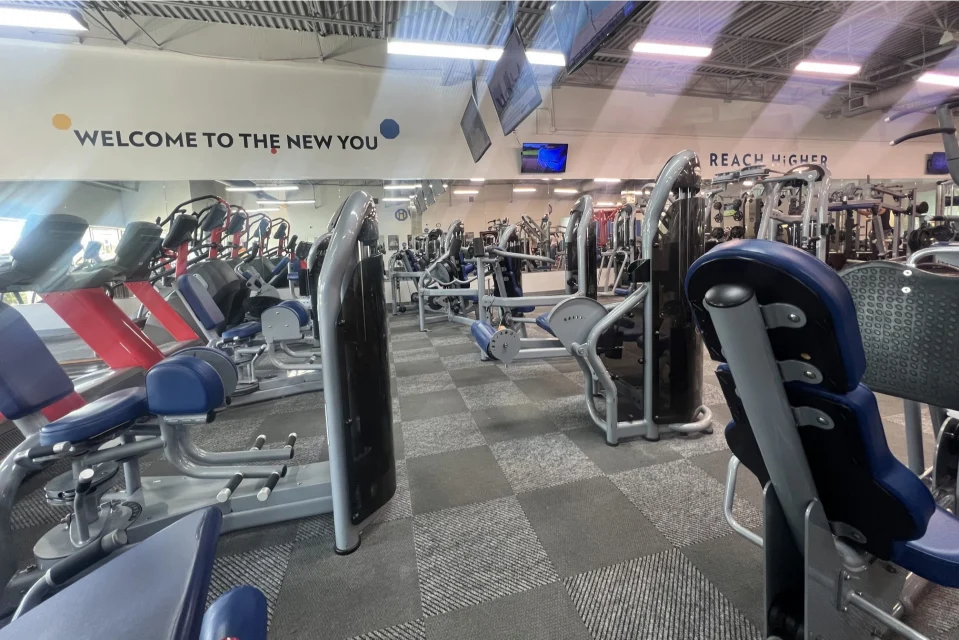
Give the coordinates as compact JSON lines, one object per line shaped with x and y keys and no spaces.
{"x":512,"y":518}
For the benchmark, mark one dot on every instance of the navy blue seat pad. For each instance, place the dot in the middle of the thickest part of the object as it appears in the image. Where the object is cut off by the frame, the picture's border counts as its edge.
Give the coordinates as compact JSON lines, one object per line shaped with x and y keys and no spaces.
{"x":200,"y":301}
{"x":98,"y":418}
{"x":183,"y":385}
{"x":301,"y":313}
{"x":859,"y":481}
{"x":934,"y":556}
{"x":239,"y":613}
{"x":245,"y":330}
{"x":779,"y":273}
{"x":24,"y":361}
{"x":161,"y":583}
{"x":543,"y":323}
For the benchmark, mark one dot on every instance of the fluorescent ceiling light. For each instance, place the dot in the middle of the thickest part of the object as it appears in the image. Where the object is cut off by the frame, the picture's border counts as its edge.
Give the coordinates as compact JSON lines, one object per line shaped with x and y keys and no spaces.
{"x":264,"y":210}
{"x":748,"y":183}
{"x":565,"y":191}
{"x":33,"y":19}
{"x":663,"y":49}
{"x":828,"y":67}
{"x":437,"y":50}
{"x":524,"y":189}
{"x":396,"y":199}
{"x":605,"y":204}
{"x":607,"y":180}
{"x":401,"y":187}
{"x":285,"y":202}
{"x":288,"y":187}
{"x":546,"y":58}
{"x":477,"y":179}
{"x":465,"y":192}
{"x":468,"y":52}
{"x":941,"y":79}
{"x":446,"y":186}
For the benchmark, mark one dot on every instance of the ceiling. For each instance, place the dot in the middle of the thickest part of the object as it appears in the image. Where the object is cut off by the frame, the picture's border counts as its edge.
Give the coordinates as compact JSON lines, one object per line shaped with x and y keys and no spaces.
{"x":755,"y":44}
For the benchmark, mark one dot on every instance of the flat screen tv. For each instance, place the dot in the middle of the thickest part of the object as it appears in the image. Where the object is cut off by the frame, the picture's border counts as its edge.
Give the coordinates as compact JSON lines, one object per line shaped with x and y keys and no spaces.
{"x":428,"y":192}
{"x":420,"y":201}
{"x":543,"y":157}
{"x":936,"y":164}
{"x":474,"y":130}
{"x":512,"y":85}
{"x":583,"y":27}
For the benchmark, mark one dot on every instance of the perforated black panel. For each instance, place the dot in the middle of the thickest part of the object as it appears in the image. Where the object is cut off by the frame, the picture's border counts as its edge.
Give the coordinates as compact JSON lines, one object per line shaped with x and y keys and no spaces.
{"x":908,"y":325}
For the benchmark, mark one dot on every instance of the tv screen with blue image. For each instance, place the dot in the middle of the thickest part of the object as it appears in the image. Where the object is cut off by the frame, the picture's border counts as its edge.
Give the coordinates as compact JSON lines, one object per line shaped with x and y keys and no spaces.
{"x":543,"y":157}
{"x":936,"y":164}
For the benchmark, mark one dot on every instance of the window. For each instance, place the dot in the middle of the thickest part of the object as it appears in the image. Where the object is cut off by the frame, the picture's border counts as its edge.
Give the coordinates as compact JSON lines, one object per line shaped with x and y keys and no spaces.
{"x":10,"y":229}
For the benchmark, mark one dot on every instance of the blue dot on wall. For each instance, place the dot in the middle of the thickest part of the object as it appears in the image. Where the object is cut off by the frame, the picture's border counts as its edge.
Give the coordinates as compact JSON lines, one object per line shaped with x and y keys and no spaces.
{"x":389,"y":128}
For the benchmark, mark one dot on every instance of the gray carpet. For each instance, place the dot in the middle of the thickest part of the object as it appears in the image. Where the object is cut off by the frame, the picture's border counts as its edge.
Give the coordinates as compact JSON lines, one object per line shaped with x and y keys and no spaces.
{"x":512,"y":518}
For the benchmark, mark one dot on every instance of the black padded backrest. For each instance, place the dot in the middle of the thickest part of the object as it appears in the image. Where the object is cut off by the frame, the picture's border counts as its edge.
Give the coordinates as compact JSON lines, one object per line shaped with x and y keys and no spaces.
{"x":908,"y":320}
{"x":181,"y":230}
{"x":140,"y":242}
{"x":215,"y":218}
{"x":280,"y":231}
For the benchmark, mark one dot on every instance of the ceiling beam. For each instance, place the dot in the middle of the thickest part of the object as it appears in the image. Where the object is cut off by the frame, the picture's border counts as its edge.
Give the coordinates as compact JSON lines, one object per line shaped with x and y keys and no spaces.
{"x":257,"y":13}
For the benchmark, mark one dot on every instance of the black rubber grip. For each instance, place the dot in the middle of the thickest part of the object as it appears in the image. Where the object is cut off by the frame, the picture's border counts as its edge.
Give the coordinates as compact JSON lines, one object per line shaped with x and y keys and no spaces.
{"x":42,"y":451}
{"x":80,"y":561}
{"x":272,"y":480}
{"x":259,"y":442}
{"x":234,"y":482}
{"x":291,"y":440}
{"x":921,"y":133}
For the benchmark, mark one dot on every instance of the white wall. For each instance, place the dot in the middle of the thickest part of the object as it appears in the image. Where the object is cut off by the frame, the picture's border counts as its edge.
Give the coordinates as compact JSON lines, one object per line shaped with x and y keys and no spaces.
{"x":611,"y":133}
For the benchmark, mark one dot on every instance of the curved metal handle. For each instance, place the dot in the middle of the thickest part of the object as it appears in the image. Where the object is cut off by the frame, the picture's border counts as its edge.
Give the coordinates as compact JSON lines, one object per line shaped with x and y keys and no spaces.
{"x":921,"y":133}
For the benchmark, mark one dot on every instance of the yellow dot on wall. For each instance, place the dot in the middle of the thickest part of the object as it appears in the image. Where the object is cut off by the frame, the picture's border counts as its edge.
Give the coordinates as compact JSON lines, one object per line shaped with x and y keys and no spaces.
{"x":62,"y":121}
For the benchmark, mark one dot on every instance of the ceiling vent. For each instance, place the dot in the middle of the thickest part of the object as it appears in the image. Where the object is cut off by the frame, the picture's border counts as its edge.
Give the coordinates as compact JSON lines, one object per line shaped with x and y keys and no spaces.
{"x":858,"y":103}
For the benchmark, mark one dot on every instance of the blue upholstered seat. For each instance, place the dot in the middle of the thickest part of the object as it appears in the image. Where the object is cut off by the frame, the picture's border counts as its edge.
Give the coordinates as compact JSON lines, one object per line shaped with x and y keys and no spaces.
{"x":245,"y":330}
{"x":156,"y":590}
{"x":859,"y":482}
{"x":280,"y":266}
{"x":543,"y":323}
{"x":183,"y":386}
{"x":200,"y":302}
{"x":621,"y":292}
{"x":239,"y":613}
{"x":100,"y":417}
{"x":301,"y":312}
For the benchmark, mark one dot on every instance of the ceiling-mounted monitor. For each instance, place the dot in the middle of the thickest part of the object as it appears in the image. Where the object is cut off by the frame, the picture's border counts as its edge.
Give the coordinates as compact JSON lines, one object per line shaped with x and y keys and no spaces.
{"x":477,"y":139}
{"x":420,"y":201}
{"x":543,"y":157}
{"x":583,"y":27}
{"x":428,"y":193}
{"x":512,"y":85}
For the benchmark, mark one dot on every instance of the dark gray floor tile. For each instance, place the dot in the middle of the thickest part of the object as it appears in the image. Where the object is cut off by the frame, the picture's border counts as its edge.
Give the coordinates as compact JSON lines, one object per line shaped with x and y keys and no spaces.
{"x":418,"y":368}
{"x":496,"y":394}
{"x":525,"y":369}
{"x":256,"y":538}
{"x":300,"y":402}
{"x":426,"y":383}
{"x":507,"y":423}
{"x":589,"y":524}
{"x":548,"y":388}
{"x":329,"y":596}
{"x":421,"y":342}
{"x":747,"y":485}
{"x":414,"y":630}
{"x":413,"y":355}
{"x":447,"y":350}
{"x":477,"y":375}
{"x":399,"y":329}
{"x":263,"y":568}
{"x":276,"y":428}
{"x":399,"y":444}
{"x":735,"y":566}
{"x":431,"y":405}
{"x":455,"y":478}
{"x":543,"y":613}
{"x":478,"y":552}
{"x":657,"y":597}
{"x":564,"y":365}
{"x":628,"y":454}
